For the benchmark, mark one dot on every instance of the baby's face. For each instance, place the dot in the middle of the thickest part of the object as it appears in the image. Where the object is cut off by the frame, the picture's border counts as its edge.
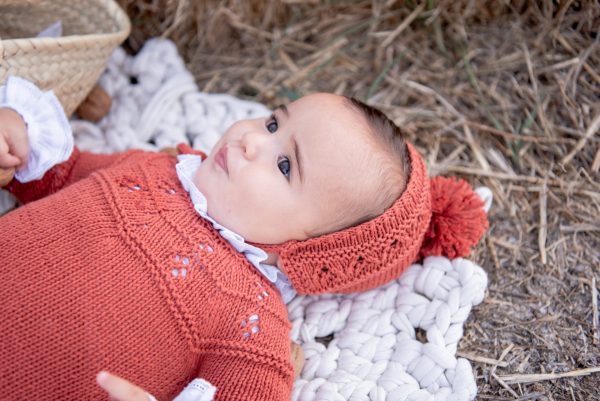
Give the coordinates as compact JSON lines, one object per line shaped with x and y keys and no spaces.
{"x":287,"y":176}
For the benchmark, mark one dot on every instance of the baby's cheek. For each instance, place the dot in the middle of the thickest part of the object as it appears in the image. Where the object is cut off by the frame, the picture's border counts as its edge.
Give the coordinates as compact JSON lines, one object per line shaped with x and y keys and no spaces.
{"x":255,"y":202}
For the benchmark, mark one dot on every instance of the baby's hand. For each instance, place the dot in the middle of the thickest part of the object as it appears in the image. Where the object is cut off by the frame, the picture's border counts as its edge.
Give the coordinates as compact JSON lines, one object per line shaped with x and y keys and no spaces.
{"x":14,"y":142}
{"x":119,"y":389}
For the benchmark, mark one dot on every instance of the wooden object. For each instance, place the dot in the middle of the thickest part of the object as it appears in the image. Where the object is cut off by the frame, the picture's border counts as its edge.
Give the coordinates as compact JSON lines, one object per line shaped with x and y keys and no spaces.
{"x":96,"y":105}
{"x":297,"y":358}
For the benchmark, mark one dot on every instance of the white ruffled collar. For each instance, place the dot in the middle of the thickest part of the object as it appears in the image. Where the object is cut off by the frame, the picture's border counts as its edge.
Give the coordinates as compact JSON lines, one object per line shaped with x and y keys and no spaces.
{"x":186,"y":168}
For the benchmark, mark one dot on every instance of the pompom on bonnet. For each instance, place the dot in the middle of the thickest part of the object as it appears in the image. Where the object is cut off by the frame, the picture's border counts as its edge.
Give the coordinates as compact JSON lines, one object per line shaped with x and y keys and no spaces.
{"x":438,"y":216}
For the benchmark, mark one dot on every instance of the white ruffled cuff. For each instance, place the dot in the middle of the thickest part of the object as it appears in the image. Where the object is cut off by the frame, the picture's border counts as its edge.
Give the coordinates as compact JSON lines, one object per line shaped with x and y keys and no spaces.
{"x":50,"y":136}
{"x":197,"y":390}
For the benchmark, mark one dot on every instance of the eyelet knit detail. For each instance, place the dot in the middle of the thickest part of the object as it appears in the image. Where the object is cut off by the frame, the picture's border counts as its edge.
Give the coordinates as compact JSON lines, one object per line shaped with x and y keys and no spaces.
{"x":367,"y":255}
{"x":262,"y":292}
{"x":250,"y":326}
{"x":160,"y":208}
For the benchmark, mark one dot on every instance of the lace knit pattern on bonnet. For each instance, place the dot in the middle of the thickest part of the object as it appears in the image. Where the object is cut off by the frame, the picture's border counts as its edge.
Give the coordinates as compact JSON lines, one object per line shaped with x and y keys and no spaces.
{"x":376,"y":352}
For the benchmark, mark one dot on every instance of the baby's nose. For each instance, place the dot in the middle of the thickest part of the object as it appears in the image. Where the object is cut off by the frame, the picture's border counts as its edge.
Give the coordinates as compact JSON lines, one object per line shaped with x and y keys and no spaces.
{"x":253,"y":142}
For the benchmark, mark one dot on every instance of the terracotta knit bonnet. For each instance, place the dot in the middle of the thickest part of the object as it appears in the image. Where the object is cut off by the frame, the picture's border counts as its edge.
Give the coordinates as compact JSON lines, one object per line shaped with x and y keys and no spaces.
{"x":441,"y":216}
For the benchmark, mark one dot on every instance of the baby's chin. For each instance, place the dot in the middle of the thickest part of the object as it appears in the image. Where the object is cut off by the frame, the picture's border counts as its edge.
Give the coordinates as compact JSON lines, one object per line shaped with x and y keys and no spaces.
{"x":252,"y":233}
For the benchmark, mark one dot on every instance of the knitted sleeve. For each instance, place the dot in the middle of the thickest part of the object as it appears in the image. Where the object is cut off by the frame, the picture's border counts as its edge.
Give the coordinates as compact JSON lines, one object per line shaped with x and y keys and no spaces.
{"x":79,"y":165}
{"x":240,"y":376}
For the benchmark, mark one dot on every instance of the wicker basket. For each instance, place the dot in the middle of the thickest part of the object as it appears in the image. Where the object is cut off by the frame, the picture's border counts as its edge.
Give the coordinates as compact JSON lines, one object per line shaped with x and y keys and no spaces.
{"x":71,"y":64}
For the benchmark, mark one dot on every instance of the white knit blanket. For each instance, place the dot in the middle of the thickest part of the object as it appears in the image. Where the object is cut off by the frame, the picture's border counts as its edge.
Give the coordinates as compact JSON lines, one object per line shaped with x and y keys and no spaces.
{"x":376,"y":353}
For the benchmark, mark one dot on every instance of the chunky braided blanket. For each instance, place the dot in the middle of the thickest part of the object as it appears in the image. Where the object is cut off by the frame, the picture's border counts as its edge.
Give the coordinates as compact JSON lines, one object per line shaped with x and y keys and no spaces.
{"x":396,"y":343}
{"x":375,"y":353}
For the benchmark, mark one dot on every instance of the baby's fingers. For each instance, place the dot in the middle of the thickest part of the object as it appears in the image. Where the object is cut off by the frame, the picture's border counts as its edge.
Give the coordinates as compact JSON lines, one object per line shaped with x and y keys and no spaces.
{"x":6,"y":159}
{"x":120,"y":389}
{"x":13,"y":137}
{"x":19,"y":148}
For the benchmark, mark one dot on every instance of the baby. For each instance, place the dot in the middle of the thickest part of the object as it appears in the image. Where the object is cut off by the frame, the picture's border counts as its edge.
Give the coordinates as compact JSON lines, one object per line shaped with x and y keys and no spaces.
{"x":166,"y":270}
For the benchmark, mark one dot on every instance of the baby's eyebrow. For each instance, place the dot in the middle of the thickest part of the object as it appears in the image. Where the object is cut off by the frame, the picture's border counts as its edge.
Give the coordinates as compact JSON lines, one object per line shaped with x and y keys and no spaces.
{"x":298,"y":159}
{"x":283,"y":108}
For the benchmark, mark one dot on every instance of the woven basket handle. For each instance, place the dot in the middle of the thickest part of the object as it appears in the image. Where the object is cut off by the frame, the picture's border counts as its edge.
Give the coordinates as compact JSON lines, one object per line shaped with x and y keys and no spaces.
{"x":20,"y":2}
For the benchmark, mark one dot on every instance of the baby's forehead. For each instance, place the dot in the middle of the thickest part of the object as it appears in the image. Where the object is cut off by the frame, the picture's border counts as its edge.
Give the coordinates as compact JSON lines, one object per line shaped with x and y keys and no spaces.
{"x":332,"y":137}
{"x":325,"y":111}
{"x":337,"y":151}
{"x":328,"y":104}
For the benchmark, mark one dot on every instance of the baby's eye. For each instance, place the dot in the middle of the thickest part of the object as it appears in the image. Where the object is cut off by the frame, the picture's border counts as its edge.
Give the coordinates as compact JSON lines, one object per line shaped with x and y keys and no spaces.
{"x":272,"y":124}
{"x":283,"y":163}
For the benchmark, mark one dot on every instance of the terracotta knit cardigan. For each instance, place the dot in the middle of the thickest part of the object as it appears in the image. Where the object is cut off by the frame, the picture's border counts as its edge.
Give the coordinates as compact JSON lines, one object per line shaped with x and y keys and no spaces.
{"x":108,"y":266}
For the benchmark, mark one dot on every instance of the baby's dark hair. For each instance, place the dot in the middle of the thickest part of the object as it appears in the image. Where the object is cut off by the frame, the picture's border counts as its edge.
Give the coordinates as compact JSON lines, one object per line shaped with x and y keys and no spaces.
{"x":394,"y":166}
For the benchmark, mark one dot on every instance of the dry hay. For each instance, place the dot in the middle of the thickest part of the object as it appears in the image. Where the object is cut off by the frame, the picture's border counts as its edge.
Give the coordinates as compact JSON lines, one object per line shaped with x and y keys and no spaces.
{"x":504,"y":94}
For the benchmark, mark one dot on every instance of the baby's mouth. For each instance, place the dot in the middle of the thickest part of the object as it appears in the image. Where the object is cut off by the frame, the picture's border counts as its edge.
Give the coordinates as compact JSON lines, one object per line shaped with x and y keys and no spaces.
{"x":221,"y":158}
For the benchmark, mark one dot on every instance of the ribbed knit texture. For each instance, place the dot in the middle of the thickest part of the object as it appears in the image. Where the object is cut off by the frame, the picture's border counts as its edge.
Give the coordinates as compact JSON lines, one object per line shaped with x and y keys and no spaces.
{"x":116,"y":271}
{"x":368,"y":255}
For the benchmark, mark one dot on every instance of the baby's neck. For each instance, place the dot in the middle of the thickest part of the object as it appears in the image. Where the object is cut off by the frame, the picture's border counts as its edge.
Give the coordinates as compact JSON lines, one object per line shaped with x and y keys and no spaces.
{"x":272,"y":259}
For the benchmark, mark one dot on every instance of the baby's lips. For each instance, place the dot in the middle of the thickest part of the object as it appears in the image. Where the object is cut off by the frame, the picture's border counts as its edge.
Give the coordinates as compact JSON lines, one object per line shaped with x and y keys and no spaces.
{"x":221,"y":158}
